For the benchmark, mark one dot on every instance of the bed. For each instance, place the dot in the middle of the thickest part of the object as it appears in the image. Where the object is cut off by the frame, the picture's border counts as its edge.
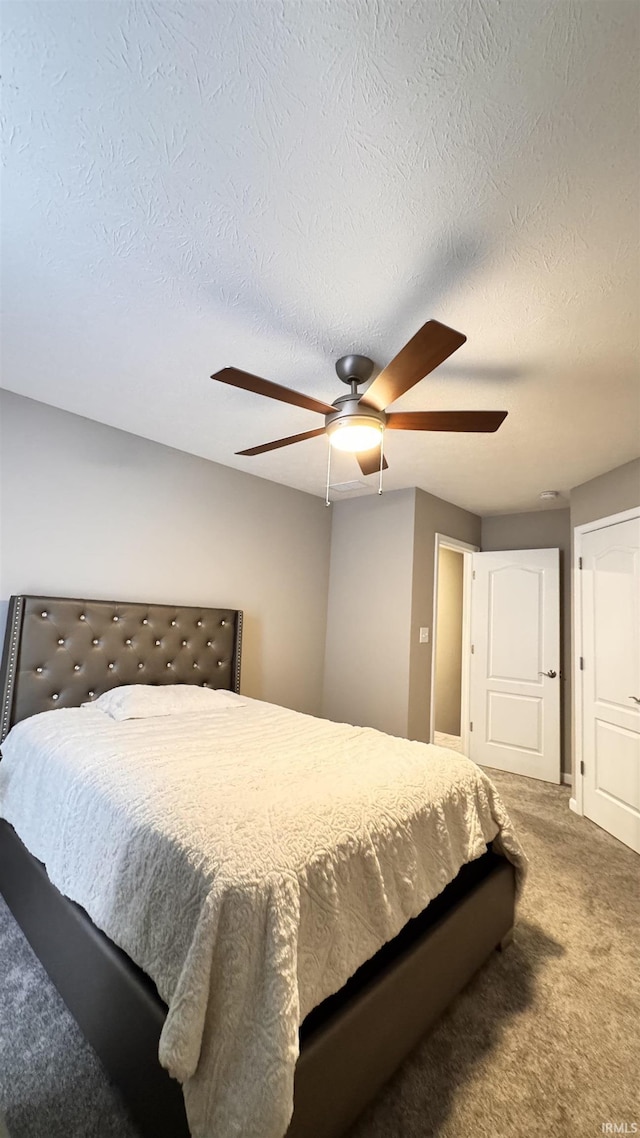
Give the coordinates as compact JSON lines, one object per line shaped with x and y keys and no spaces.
{"x":62,"y":652}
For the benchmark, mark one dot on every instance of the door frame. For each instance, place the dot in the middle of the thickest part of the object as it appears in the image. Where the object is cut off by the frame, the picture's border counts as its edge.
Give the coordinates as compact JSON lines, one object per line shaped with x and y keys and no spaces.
{"x":463,"y":547}
{"x":576,"y":803}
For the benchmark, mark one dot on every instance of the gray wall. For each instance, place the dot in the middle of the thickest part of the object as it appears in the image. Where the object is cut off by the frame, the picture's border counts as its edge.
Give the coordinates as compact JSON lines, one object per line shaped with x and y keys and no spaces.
{"x":92,"y":511}
{"x":543,"y":529}
{"x":611,"y":493}
{"x":366,"y":679}
{"x":380,"y":593}
{"x":448,"y":642}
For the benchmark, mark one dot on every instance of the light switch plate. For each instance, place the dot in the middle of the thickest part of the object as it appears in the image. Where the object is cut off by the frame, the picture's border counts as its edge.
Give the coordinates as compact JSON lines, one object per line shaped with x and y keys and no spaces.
{"x":424,"y":635}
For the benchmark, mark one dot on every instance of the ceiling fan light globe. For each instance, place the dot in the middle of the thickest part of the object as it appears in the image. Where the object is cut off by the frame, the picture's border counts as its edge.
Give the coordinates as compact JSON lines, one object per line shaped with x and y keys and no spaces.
{"x":355,"y":437}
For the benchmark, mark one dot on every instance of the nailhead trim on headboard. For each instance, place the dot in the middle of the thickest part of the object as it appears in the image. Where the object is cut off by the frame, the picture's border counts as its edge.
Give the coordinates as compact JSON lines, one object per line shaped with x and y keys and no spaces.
{"x":14,"y":624}
{"x":238,"y":651}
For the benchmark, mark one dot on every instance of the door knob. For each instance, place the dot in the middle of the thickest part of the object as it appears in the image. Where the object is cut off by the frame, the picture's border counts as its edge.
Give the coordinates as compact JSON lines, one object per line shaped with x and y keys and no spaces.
{"x":552,"y":675}
{"x":635,"y":698}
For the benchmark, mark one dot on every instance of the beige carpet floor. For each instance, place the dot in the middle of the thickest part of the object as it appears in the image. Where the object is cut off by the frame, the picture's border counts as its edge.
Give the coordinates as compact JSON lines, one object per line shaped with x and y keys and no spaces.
{"x":545,"y":1040}
{"x":453,"y":742}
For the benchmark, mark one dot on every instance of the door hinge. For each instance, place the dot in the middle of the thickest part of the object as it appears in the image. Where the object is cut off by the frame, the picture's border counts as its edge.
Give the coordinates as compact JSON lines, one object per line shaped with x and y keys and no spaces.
{"x":473,"y":575}
{"x":582,"y":663}
{"x":579,"y":563}
{"x":473,"y":648}
{"x":581,"y":766}
{"x":471,"y":726}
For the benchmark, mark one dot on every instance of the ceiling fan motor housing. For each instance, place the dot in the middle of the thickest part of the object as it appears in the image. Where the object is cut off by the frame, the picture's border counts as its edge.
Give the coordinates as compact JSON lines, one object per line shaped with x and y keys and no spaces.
{"x":349,"y":409}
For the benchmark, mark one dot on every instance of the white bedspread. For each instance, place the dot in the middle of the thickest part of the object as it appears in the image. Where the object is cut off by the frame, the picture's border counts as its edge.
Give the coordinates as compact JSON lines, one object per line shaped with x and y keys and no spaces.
{"x":249,"y":860}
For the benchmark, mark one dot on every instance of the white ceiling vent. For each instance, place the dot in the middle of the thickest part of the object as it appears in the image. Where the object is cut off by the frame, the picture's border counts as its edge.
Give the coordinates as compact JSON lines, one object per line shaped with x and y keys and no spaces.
{"x":346,"y":487}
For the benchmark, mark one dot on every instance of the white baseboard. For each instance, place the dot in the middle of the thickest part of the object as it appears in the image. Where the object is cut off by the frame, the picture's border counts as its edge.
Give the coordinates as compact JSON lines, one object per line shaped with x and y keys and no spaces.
{"x":573,"y":805}
{"x":567,"y":779}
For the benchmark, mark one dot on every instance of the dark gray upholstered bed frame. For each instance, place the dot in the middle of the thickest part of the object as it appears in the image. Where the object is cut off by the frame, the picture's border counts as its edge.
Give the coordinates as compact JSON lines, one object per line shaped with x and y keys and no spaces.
{"x":60,"y":652}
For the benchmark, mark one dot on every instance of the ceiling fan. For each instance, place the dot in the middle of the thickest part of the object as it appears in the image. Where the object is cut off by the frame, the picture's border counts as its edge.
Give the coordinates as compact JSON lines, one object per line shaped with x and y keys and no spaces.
{"x":356,"y":422}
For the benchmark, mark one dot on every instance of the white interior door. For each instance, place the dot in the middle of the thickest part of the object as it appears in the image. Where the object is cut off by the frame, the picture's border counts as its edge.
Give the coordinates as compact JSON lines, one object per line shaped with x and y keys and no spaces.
{"x":610,"y":650}
{"x":515,"y":662}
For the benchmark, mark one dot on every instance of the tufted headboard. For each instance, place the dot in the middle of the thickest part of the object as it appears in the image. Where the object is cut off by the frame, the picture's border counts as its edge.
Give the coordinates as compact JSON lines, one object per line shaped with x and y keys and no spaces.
{"x":61,"y":651}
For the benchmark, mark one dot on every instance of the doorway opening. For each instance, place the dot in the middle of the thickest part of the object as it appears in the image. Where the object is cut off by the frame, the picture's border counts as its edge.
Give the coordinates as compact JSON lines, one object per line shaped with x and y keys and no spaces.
{"x":451,"y":644}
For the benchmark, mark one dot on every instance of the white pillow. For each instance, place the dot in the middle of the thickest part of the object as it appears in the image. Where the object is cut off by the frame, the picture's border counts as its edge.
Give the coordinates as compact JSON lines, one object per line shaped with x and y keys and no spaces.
{"x":144,"y":701}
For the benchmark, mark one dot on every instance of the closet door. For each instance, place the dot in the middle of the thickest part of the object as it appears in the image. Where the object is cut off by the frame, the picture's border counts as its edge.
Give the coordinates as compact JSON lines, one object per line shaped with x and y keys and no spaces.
{"x":610,"y":650}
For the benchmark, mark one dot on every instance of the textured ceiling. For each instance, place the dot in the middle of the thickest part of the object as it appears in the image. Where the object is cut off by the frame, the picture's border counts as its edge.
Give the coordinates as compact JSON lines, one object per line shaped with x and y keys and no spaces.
{"x":273,"y":185}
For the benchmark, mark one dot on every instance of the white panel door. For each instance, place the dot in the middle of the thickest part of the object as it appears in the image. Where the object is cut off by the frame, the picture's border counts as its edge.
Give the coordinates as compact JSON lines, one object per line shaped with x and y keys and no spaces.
{"x":610,"y":582}
{"x":515,"y":662}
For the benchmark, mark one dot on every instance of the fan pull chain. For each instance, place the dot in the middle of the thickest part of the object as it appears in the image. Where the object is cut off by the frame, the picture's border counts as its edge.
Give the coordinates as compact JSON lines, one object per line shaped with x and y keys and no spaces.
{"x":381,"y":460}
{"x":327,"y":498}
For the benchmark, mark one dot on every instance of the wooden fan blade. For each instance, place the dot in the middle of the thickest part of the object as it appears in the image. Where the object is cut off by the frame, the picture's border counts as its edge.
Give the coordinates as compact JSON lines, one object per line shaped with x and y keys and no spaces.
{"x":283,"y":442}
{"x":433,"y":344}
{"x":369,"y":461}
{"x":236,"y":378}
{"x":479,"y":421}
